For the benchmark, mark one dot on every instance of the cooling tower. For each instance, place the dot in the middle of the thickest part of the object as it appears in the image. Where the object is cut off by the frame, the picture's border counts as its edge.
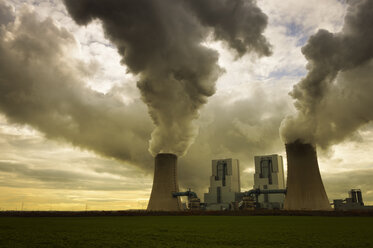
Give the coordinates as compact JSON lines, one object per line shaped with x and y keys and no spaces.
{"x":164,"y":184}
{"x":305,"y":189}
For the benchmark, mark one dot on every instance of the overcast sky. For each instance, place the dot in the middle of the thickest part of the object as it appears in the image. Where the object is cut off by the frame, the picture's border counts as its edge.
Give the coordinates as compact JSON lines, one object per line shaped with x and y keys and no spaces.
{"x":74,"y":131}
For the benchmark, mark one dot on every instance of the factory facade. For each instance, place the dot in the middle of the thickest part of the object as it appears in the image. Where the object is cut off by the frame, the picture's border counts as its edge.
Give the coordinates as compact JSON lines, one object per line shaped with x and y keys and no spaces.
{"x":225,"y":184}
{"x":225,"y":188}
{"x":269,"y":174}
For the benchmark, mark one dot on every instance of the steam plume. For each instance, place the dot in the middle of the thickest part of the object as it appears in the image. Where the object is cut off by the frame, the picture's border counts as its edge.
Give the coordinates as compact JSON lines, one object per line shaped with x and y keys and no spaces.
{"x":334,"y":99}
{"x":160,"y":40}
{"x":6,"y":14}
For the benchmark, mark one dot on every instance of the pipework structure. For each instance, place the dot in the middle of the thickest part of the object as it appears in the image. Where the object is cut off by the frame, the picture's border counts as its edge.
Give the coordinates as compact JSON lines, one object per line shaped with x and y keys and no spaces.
{"x":189,"y":194}
{"x":165,"y":183}
{"x":194,"y":203}
{"x":265,"y":192}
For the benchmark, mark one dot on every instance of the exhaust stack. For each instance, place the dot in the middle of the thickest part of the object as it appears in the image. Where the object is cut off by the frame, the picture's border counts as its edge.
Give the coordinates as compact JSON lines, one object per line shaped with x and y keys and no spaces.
{"x":164,"y":184}
{"x":305,"y":189}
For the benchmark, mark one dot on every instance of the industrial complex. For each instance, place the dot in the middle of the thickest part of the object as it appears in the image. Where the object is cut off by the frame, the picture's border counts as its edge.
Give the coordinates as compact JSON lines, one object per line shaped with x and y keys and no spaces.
{"x":304,"y":189}
{"x":353,"y":202}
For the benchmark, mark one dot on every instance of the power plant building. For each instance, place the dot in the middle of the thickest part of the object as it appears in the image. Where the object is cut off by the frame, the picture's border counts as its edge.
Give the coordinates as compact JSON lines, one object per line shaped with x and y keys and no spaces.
{"x":269,"y":174}
{"x":353,"y":202}
{"x":224,"y":184}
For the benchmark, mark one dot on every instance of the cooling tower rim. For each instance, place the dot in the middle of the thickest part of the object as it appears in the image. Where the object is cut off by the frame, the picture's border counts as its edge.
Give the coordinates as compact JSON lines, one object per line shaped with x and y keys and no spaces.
{"x":164,"y":154}
{"x":300,"y":142}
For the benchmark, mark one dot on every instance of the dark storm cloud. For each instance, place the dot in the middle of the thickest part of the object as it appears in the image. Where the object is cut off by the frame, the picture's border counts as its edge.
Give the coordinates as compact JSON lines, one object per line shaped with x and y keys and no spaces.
{"x":25,"y":176}
{"x":334,"y":99}
{"x":240,"y":23}
{"x":6,"y":14}
{"x":49,"y":175}
{"x":42,"y":87}
{"x":161,"y":40}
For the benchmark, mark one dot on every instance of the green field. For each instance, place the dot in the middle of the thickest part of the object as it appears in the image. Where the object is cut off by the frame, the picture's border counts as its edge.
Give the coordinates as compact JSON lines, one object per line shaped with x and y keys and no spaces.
{"x":186,"y":231}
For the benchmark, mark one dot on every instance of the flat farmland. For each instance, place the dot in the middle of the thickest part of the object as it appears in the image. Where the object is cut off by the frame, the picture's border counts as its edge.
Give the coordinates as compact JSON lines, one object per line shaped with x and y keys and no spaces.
{"x":186,"y":231}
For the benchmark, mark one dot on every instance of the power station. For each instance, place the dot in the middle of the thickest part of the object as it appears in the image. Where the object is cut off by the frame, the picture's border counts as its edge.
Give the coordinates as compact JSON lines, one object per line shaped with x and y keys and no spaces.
{"x":353,"y":202}
{"x":304,"y":188}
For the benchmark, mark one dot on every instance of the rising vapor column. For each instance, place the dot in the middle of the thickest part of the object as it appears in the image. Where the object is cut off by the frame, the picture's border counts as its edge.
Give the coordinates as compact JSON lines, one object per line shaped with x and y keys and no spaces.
{"x":339,"y":77}
{"x":164,"y":184}
{"x":305,"y":189}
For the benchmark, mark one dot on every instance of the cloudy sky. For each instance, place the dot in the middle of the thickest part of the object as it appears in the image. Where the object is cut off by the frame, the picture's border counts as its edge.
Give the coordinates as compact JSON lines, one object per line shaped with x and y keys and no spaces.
{"x":79,"y":120}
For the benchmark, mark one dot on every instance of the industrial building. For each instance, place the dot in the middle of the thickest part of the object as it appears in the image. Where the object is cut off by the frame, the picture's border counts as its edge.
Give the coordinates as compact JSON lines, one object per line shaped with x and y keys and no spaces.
{"x":269,"y":190}
{"x":269,"y":175}
{"x":224,"y":184}
{"x":353,"y":202}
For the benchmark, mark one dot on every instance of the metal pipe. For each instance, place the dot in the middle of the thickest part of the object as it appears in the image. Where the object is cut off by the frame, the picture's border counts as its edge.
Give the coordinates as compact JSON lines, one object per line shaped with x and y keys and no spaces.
{"x":257,"y":192}
{"x":188,"y":193}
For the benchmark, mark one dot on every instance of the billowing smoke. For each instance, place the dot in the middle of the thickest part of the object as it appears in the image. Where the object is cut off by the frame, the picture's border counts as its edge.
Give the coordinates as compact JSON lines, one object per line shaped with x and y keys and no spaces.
{"x":6,"y":14}
{"x":41,"y":86}
{"x":162,"y":42}
{"x":334,"y":99}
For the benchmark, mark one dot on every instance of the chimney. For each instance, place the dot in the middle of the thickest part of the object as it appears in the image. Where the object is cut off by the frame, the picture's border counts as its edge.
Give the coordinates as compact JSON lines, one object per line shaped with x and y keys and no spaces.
{"x":305,"y":189}
{"x":164,"y":184}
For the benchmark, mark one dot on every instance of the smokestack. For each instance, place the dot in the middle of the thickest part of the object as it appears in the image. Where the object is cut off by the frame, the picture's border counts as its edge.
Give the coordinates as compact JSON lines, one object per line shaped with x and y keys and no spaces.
{"x":164,"y":184}
{"x":305,"y":189}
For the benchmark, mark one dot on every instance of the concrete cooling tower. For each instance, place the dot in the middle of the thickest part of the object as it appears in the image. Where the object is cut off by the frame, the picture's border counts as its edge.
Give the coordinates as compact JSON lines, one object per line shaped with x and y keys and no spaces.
{"x":164,"y":184}
{"x":305,"y":189}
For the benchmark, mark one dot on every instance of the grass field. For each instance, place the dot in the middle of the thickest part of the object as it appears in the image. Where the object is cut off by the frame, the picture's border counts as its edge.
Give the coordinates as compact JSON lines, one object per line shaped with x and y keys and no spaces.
{"x":186,"y":231}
